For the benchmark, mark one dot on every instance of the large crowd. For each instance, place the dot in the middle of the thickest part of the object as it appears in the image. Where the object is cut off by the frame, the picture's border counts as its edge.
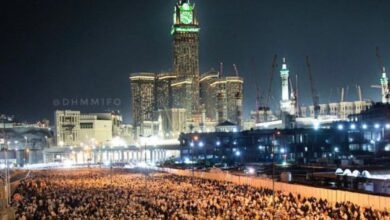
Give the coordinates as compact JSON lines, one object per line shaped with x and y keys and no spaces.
{"x":101,"y":194}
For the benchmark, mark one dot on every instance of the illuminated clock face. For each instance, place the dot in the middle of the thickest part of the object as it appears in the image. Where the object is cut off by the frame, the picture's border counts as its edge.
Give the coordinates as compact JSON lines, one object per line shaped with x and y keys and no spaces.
{"x":186,"y":17}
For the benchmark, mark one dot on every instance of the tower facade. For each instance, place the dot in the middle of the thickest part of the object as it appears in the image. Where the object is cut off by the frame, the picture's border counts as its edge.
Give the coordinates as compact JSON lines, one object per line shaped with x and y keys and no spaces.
{"x":185,"y":33}
{"x":226,"y":94}
{"x":142,"y":97}
{"x":163,"y":91}
{"x":385,"y":87}
{"x":220,"y":99}
{"x":207,"y":99}
{"x":234,"y":97}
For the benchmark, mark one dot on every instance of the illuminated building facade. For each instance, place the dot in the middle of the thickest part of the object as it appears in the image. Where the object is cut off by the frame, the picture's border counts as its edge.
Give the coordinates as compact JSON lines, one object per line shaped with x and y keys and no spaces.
{"x":263,"y":114}
{"x":142,"y":97}
{"x":223,"y":97}
{"x":341,"y":110}
{"x":234,"y":97}
{"x":365,"y":135}
{"x":182,"y":96}
{"x":163,"y":91}
{"x":73,"y":128}
{"x":218,"y":88}
{"x":172,"y":121}
{"x":95,"y":129}
{"x":385,"y":87}
{"x":207,"y":98}
{"x":67,"y":127}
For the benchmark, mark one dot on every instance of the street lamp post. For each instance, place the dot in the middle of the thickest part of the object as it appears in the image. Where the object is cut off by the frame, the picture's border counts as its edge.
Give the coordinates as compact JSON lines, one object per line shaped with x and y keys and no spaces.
{"x":273,"y":172}
{"x":192,"y":145}
{"x":145,"y":137}
{"x":192,"y":161}
{"x":110,"y":173}
{"x":273,"y":165}
{"x":26,"y":155}
{"x":5,"y":149}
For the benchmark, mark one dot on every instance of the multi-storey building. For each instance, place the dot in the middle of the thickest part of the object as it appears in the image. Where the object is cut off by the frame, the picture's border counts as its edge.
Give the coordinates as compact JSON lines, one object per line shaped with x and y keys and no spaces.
{"x":73,"y":128}
{"x":172,"y":121}
{"x":163,"y":91}
{"x":341,"y":110}
{"x":156,"y":99}
{"x":207,"y":98}
{"x":67,"y":127}
{"x":117,"y":122}
{"x":234,"y":97}
{"x":325,"y":109}
{"x":263,"y":114}
{"x":95,"y":129}
{"x":225,"y":98}
{"x":218,"y":88}
{"x":182,"y":96}
{"x":369,"y":134}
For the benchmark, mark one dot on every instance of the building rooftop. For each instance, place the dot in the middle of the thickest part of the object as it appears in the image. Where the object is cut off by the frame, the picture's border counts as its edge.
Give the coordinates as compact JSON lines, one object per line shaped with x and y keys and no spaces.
{"x":226,"y":123}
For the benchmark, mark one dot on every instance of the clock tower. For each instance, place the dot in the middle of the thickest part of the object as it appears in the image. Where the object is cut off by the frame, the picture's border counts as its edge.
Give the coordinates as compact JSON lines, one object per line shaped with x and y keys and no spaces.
{"x":185,"y":34}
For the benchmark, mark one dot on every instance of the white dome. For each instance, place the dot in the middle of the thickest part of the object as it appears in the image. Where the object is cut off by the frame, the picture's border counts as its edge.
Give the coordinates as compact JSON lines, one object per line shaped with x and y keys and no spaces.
{"x":356,"y":173}
{"x":366,"y":174}
{"x":339,"y":171}
{"x":347,"y":172}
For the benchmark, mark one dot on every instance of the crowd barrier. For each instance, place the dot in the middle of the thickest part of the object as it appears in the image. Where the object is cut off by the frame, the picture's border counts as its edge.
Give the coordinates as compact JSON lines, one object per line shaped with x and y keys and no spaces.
{"x":15,"y":184}
{"x":332,"y":195}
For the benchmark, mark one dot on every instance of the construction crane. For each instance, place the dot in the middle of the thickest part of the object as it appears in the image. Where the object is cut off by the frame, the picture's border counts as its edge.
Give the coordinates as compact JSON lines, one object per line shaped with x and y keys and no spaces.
{"x":257,"y":103}
{"x":235,"y":69}
{"x":314,"y":94}
{"x":270,"y":81}
{"x":298,"y":109}
{"x":268,"y":95}
{"x":378,"y":56}
{"x":221,"y":69}
{"x":253,"y":70}
{"x":294,"y":93}
{"x":359,"y":92}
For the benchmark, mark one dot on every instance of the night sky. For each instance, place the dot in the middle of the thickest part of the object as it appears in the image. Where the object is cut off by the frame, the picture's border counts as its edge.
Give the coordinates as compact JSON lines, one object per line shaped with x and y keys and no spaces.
{"x":64,"y":49}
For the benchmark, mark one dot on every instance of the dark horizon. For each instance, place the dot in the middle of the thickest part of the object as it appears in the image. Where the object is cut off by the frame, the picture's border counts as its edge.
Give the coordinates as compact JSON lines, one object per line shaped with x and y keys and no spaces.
{"x":83,"y":49}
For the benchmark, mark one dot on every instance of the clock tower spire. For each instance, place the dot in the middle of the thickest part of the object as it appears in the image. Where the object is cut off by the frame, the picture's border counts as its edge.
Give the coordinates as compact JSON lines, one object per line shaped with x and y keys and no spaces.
{"x":185,"y":34}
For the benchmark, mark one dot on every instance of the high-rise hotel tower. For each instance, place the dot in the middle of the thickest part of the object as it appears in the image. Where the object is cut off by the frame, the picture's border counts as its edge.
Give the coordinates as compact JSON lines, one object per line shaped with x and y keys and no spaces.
{"x":185,"y":33}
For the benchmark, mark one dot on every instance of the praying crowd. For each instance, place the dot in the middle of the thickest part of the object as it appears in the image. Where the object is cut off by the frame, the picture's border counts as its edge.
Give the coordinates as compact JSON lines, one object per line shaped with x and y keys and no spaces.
{"x":123,"y":194}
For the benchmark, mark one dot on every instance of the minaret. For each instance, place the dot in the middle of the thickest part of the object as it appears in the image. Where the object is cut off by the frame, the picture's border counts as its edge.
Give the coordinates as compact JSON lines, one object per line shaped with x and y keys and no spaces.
{"x":286,"y":105}
{"x":385,"y":87}
{"x":284,"y":72}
